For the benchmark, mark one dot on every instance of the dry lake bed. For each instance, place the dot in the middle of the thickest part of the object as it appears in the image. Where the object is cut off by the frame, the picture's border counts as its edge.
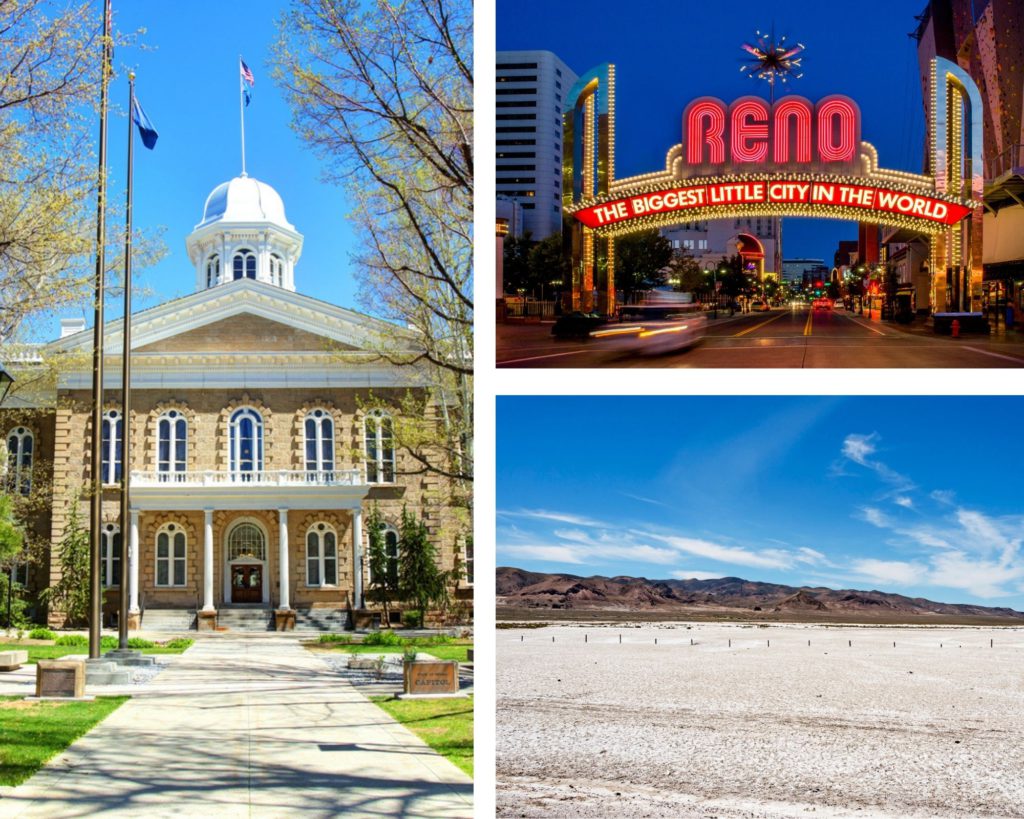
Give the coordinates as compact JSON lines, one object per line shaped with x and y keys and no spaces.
{"x":768,"y":726}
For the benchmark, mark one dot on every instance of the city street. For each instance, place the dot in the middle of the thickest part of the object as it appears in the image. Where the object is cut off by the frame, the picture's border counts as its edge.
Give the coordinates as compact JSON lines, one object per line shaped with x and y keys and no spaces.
{"x":783,"y":337}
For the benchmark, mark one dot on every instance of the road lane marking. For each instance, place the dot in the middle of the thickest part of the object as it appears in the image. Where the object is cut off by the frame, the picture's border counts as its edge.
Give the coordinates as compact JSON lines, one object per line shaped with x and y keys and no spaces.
{"x":807,"y":326}
{"x":758,"y":326}
{"x":539,"y":357}
{"x":865,"y":326}
{"x":1012,"y":358}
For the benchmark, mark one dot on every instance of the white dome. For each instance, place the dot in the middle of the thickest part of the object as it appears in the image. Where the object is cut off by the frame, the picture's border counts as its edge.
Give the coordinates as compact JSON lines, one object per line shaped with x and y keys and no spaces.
{"x":244,"y":199}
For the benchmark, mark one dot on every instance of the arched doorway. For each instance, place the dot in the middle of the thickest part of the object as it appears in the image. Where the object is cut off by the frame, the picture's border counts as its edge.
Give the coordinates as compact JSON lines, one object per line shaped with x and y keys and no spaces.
{"x":246,"y":570}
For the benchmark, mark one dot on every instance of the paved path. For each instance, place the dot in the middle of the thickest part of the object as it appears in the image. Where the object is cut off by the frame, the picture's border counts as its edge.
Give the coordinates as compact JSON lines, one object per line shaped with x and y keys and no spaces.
{"x":246,"y":726}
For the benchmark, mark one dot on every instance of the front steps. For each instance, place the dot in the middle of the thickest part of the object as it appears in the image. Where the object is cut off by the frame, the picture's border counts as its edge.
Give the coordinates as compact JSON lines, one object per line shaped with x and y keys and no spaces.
{"x":246,"y":618}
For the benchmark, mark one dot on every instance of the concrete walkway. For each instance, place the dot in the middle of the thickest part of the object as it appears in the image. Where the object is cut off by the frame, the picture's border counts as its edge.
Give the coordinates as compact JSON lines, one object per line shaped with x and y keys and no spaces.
{"x":245,"y":725}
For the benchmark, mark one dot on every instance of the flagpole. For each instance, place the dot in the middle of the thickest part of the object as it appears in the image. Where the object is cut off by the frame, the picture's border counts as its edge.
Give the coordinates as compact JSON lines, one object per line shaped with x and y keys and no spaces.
{"x":96,"y":501}
{"x":241,"y":108}
{"x":126,"y":376}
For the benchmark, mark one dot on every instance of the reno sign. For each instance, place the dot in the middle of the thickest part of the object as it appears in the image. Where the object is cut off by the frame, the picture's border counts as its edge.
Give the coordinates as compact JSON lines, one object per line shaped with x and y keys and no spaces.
{"x":751,"y":133}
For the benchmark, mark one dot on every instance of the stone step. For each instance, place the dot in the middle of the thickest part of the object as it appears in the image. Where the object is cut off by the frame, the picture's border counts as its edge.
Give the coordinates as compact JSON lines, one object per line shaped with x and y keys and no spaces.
{"x":169,"y":620}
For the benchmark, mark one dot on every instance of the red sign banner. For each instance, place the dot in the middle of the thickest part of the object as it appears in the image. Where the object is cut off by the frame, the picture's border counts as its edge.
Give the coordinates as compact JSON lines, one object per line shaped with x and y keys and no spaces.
{"x":781,"y":192}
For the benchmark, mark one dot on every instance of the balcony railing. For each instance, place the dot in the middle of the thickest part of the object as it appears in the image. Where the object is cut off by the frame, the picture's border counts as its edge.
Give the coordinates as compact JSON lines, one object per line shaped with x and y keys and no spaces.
{"x":270,"y":477}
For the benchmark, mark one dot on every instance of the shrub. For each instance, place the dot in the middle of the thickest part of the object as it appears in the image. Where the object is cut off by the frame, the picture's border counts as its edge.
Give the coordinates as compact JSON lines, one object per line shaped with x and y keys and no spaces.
{"x":41,"y":634}
{"x":382,"y":638}
{"x":106,"y":643}
{"x":179,"y":642}
{"x":411,"y":618}
{"x":76,"y":640}
{"x":140,"y":642}
{"x":343,"y":639}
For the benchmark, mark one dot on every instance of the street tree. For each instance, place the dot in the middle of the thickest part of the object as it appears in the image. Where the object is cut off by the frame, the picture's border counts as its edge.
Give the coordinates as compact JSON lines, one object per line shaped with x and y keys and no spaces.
{"x":383,"y":580}
{"x":516,"y":272}
{"x":382,"y":92}
{"x":686,"y":272}
{"x":641,"y":261}
{"x":548,"y":266}
{"x":420,"y":581}
{"x":70,"y":594}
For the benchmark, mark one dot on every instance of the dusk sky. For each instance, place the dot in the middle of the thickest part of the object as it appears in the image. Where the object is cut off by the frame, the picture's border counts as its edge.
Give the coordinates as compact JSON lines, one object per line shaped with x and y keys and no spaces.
{"x":187,"y":82}
{"x":668,"y":53}
{"x":840,"y":492}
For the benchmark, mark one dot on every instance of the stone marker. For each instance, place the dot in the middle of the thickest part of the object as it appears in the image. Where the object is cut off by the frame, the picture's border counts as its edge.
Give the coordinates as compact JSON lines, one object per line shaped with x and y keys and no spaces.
{"x":60,"y":678}
{"x":431,"y":677}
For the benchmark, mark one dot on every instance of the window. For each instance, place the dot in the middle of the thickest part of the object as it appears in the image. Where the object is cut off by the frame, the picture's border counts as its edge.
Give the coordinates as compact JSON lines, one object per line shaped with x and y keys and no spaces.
{"x":321,"y":556}
{"x":21,"y":574}
{"x":468,"y":564}
{"x":519,"y":78}
{"x":523,"y":91}
{"x":380,"y":450}
{"x":113,"y":437}
{"x":511,"y":129}
{"x":276,"y":270}
{"x":516,"y":104}
{"x":212,"y":270}
{"x":244,"y":265}
{"x":246,"y":443}
{"x":19,"y":460}
{"x":516,"y":117}
{"x":170,"y":555}
{"x":172,"y":443}
{"x":246,"y":540}
{"x":391,"y":556}
{"x":110,"y":555}
{"x":319,"y":438}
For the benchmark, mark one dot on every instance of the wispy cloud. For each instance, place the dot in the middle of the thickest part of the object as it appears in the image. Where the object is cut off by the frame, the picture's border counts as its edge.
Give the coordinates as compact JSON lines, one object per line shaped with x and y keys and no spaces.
{"x":558,"y":517}
{"x":690,"y":574}
{"x":651,"y":501}
{"x":876,"y":517}
{"x":859,"y":448}
{"x":889,"y":572}
{"x":904,"y":501}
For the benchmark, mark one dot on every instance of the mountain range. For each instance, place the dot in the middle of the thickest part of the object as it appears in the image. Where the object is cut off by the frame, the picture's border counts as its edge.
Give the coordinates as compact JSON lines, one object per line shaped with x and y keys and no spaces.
{"x":522,"y":592}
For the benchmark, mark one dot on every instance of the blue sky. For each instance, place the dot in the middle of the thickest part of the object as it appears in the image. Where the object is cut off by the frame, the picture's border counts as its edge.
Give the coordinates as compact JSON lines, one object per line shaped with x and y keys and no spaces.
{"x":667,"y":53}
{"x":840,"y":492}
{"x":187,"y":82}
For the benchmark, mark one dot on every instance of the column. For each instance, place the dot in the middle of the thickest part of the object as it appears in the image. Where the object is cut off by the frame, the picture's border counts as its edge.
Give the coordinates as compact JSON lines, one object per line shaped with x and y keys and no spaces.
{"x":283,"y":558}
{"x":208,"y":560}
{"x":357,"y":558}
{"x":133,"y":562}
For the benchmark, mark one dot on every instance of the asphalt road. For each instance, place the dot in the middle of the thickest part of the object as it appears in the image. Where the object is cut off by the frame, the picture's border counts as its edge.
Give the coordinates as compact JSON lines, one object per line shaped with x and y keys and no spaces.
{"x":783,"y":337}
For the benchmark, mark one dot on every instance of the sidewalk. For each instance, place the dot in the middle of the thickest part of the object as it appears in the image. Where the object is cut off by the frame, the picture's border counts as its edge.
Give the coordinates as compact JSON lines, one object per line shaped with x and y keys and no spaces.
{"x":245,"y":725}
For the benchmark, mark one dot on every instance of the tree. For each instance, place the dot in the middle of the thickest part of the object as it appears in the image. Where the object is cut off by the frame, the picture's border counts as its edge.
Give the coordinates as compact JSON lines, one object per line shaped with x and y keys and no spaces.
{"x":382,"y":91}
{"x":419,"y":579}
{"x":548,"y":265}
{"x":686,"y":272}
{"x":383,"y":580}
{"x":516,"y":273}
{"x":640,"y":261}
{"x":70,"y":594}
{"x":12,"y":538}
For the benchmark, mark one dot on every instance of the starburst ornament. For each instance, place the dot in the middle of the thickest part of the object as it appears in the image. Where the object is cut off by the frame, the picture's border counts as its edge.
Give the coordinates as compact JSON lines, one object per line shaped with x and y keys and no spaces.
{"x":772,"y":60}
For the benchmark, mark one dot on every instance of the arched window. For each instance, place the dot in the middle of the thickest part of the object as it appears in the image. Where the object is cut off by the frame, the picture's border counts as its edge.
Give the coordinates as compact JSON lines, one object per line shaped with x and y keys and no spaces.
{"x":318,"y":431}
{"x":170,"y":555}
{"x":246,"y":540}
{"x":276,"y":269}
{"x":244,"y":265}
{"x":246,"y":443}
{"x":321,"y":556}
{"x":212,"y":270}
{"x":172,"y":446}
{"x":391,"y":553}
{"x":110,"y":554}
{"x":20,"y":444}
{"x":113,"y":437}
{"x":380,"y":448}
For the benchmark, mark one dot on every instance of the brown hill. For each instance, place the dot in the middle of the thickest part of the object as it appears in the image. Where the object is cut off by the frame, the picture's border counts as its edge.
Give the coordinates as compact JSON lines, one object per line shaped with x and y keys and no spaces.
{"x":519,"y":589}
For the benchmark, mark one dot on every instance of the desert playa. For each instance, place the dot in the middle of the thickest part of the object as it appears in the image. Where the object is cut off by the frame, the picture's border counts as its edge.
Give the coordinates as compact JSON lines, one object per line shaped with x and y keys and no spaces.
{"x":731,"y":720}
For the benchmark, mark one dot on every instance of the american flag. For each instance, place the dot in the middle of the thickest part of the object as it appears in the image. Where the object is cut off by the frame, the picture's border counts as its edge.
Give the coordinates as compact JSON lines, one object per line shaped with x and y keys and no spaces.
{"x":246,"y":72}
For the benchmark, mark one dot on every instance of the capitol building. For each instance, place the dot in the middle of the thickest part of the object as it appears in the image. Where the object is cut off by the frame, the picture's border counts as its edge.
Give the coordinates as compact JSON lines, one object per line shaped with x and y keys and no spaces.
{"x":262,"y":433}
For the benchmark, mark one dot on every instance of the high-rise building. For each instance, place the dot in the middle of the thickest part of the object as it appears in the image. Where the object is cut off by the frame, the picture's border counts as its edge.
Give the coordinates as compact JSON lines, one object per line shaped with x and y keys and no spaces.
{"x":530,"y":87}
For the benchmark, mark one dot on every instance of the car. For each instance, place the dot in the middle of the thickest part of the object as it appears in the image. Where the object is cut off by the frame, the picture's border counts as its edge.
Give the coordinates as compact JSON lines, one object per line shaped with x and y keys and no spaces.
{"x":653,"y":336}
{"x":759,"y":306}
{"x":576,"y":324}
{"x":822,"y":304}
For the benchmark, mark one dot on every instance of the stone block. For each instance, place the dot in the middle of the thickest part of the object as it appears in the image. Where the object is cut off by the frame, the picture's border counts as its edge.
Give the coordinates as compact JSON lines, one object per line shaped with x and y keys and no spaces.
{"x":12,"y":660}
{"x":284,"y":619}
{"x":206,"y":621}
{"x":60,"y":678}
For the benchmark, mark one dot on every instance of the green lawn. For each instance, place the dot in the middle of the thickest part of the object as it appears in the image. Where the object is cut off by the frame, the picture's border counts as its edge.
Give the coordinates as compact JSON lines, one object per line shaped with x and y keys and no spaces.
{"x":448,"y":651}
{"x":34,"y":732}
{"x":48,"y":651}
{"x":445,"y":725}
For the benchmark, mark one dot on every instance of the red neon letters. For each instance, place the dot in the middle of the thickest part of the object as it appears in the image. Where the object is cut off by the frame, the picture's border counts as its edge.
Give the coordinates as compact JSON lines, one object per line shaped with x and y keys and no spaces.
{"x":751,"y":132}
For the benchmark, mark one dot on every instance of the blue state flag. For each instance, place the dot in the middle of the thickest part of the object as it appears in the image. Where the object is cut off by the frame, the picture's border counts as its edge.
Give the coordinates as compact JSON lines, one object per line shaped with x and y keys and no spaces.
{"x":146,"y":129}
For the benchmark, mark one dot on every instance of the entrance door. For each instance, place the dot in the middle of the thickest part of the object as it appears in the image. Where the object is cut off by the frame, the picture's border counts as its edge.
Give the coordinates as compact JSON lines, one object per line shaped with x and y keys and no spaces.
{"x":246,"y":584}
